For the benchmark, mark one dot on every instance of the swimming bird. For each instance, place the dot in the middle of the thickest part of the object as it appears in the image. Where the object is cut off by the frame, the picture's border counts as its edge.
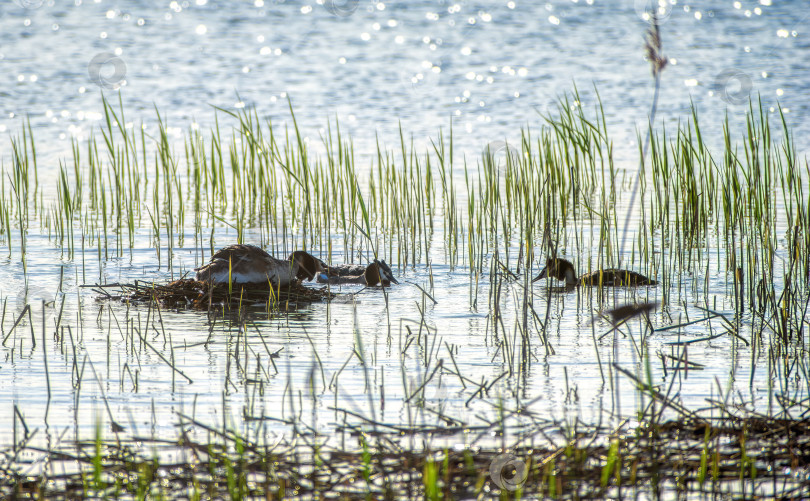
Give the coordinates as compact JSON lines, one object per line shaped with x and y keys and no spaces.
{"x":378,"y":272}
{"x":249,"y":264}
{"x":562,"y":269}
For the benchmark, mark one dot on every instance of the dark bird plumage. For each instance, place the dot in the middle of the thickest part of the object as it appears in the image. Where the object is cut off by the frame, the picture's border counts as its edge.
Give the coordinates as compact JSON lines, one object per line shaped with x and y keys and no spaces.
{"x":562,"y":269}
{"x":376,"y":273}
{"x":249,"y":264}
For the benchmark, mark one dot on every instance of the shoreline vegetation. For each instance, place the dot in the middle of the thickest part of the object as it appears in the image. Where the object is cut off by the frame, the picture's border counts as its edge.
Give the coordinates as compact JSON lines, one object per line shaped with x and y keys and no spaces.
{"x":543,"y":195}
{"x":556,"y":193}
{"x":498,"y":217}
{"x":727,"y":456}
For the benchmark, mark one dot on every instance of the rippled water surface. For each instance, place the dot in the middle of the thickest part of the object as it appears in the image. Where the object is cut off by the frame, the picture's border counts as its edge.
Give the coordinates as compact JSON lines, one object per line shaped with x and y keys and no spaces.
{"x":486,"y":69}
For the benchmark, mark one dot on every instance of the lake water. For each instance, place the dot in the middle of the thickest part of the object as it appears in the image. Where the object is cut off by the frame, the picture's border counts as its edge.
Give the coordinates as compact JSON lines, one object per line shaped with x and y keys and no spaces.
{"x":490,"y":69}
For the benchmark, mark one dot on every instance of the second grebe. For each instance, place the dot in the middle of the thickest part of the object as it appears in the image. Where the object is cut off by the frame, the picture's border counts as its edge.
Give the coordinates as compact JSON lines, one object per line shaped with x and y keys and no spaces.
{"x":378,"y":272}
{"x":249,"y":264}
{"x":562,"y":269}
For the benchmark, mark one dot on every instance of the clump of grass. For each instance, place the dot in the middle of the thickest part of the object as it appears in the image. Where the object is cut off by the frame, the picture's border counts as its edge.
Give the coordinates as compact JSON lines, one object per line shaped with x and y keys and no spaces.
{"x":194,"y":294}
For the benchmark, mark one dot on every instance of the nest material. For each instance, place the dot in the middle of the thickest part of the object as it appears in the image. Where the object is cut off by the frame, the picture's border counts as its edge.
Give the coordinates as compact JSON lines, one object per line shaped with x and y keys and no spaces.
{"x":189,"y":293}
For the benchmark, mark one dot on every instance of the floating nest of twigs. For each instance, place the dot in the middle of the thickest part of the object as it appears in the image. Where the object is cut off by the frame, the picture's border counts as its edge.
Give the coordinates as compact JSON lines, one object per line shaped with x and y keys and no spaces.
{"x":193,"y":294}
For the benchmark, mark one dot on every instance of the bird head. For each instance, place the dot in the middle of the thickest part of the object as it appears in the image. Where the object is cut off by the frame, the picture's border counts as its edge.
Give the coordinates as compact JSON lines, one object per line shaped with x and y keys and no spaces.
{"x":555,"y":268}
{"x":378,"y":272}
{"x":308,"y":265}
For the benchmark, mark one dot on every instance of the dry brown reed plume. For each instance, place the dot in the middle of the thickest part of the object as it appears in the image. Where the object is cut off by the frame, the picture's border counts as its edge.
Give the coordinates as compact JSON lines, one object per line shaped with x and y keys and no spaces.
{"x":653,"y":48}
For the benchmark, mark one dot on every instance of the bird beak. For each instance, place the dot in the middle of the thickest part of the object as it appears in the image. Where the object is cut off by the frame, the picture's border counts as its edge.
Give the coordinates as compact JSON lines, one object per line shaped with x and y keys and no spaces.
{"x":389,"y":275}
{"x":541,"y":276}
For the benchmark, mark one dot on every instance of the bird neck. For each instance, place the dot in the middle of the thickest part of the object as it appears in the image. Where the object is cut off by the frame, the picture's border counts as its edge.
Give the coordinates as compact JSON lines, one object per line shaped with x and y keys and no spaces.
{"x":372,"y":275}
{"x":571,"y":276}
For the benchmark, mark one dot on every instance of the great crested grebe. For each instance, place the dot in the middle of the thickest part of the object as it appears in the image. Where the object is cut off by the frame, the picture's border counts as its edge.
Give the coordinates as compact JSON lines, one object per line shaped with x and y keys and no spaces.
{"x":377,"y":272}
{"x":249,"y":264}
{"x":562,"y":269}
